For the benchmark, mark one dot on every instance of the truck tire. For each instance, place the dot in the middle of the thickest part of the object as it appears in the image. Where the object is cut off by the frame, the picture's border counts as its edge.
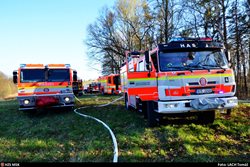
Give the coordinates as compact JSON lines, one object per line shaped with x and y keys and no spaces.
{"x":206,"y":117}
{"x":152,"y":116}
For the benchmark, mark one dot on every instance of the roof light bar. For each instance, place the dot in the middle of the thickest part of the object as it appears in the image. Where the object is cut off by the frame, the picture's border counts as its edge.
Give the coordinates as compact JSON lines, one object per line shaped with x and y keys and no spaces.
{"x":177,"y":39}
{"x":190,"y":39}
{"x":205,"y":39}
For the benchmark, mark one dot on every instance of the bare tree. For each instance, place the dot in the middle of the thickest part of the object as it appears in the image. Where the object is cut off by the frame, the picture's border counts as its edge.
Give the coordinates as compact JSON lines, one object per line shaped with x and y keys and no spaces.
{"x":127,"y":27}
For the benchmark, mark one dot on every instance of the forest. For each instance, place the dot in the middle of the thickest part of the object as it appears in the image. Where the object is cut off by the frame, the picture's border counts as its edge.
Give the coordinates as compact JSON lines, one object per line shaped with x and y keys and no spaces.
{"x":142,"y":24}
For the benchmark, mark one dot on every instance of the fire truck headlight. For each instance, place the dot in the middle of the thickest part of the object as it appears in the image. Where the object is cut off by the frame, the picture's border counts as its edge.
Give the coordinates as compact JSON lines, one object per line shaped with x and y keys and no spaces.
{"x":171,"y":105}
{"x":66,"y":99}
{"x":232,"y":101}
{"x":26,"y":101}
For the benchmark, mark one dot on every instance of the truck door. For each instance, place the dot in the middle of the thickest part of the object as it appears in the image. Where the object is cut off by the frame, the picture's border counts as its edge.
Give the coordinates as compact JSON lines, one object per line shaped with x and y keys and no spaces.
{"x":142,"y":83}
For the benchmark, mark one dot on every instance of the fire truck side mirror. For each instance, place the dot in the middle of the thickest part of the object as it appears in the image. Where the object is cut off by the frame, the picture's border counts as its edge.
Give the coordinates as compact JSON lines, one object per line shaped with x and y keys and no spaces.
{"x":15,"y":77}
{"x":148,"y":64}
{"x":74,"y":76}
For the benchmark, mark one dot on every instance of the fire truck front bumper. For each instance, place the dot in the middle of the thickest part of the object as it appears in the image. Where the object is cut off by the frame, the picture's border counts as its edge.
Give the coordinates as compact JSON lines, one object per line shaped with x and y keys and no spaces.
{"x":45,"y":101}
{"x":185,"y":106}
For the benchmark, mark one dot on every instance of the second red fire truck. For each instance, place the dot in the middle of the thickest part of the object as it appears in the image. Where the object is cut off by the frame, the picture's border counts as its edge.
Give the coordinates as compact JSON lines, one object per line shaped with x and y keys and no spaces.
{"x":110,"y":84}
{"x":186,"y":76}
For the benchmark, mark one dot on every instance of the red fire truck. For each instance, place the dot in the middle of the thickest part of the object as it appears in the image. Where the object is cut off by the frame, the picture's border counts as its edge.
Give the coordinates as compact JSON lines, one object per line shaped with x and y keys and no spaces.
{"x":91,"y":88}
{"x":110,"y":84}
{"x":186,"y":76}
{"x":42,"y":86}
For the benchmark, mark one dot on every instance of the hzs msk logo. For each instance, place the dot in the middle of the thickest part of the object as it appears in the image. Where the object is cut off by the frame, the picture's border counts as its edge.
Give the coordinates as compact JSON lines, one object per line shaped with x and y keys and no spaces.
{"x":203,"y":82}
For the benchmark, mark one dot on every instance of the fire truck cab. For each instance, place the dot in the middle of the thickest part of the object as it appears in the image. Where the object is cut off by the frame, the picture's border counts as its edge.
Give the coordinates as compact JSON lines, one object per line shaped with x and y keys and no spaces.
{"x":187,"y":76}
{"x":42,"y":86}
{"x":110,"y":84}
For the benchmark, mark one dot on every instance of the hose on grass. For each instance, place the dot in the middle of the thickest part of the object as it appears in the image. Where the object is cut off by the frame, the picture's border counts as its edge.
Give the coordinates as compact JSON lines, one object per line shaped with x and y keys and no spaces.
{"x":115,"y":158}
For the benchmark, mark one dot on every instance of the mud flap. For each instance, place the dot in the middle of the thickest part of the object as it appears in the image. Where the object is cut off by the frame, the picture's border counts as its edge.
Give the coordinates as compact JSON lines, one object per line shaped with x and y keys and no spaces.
{"x":207,"y":103}
{"x":152,"y":116}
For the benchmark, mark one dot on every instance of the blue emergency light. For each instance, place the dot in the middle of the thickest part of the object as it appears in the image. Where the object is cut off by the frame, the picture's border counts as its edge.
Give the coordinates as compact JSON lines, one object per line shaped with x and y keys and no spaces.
{"x":190,"y":39}
{"x":177,"y":39}
{"x":67,"y":65}
{"x":22,"y":65}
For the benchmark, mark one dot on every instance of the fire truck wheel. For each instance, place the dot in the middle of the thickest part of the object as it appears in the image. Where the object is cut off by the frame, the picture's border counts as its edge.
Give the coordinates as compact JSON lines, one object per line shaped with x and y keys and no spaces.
{"x":152,"y":116}
{"x":206,"y":117}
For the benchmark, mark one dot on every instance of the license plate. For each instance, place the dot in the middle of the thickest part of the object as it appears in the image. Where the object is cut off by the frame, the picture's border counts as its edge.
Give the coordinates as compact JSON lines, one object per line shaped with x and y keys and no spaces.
{"x":204,"y":91}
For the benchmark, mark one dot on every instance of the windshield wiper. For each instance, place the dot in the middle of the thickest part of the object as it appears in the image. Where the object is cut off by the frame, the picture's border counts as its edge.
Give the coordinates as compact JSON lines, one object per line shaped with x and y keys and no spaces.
{"x":215,"y":66}
{"x":178,"y":67}
{"x":181,"y":68}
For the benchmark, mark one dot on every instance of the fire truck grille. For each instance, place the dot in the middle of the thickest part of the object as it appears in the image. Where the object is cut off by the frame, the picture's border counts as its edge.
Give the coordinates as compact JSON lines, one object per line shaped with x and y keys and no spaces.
{"x":193,"y":83}
{"x":211,"y":82}
{"x":197,"y":83}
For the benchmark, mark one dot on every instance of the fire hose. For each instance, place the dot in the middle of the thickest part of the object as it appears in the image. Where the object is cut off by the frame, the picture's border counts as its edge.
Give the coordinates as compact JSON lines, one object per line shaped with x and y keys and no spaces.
{"x":115,"y":158}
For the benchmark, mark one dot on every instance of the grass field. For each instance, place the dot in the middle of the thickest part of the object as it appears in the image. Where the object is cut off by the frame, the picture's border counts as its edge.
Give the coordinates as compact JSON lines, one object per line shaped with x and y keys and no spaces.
{"x":57,"y":136}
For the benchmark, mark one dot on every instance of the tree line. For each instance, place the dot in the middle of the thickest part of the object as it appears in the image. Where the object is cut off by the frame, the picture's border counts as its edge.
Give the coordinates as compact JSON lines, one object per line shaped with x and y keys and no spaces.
{"x":7,"y":87}
{"x":142,"y":24}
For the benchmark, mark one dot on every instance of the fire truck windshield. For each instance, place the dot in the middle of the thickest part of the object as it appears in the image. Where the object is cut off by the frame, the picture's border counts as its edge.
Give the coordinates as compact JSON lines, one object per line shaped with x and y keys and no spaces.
{"x":32,"y":75}
{"x":42,"y":75}
{"x":171,"y":61}
{"x":58,"y":75}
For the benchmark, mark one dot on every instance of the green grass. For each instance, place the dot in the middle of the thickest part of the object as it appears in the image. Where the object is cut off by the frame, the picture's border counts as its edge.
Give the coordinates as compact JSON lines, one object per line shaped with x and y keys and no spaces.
{"x":56,"y":136}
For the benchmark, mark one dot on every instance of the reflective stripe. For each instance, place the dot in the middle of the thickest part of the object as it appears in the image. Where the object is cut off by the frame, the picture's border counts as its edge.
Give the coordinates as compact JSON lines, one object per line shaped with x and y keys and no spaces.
{"x":195,"y":76}
{"x":141,"y":79}
{"x":41,"y":89}
{"x":103,"y":81}
{"x":34,"y":87}
{"x":111,"y":86}
{"x":142,"y":84}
